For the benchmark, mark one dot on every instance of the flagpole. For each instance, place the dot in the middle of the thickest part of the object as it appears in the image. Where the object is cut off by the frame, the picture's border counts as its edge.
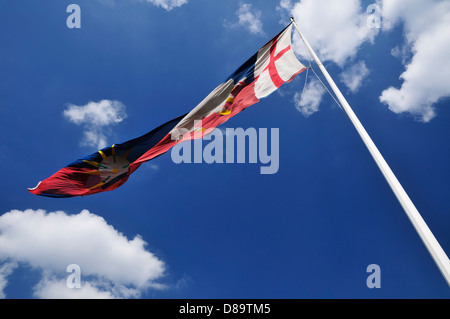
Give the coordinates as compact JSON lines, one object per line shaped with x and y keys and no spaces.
{"x":411,"y":211}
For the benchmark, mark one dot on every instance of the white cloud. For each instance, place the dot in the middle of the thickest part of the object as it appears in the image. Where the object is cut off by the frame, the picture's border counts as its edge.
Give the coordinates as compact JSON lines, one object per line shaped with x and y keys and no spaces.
{"x":309,"y":100}
{"x":354,"y":76}
{"x":167,"y":4}
{"x":50,"y":288}
{"x":285,"y":4}
{"x":95,"y":117}
{"x":6,"y":269}
{"x":401,"y":52}
{"x":101,"y":113}
{"x":426,"y":77}
{"x":249,"y":19}
{"x":111,"y":265}
{"x":94,"y":137}
{"x":335,"y":29}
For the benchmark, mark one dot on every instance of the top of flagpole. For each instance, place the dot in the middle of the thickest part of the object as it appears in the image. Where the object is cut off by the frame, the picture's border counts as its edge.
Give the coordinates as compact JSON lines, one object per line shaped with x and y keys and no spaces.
{"x":292,"y":19}
{"x":314,"y":55}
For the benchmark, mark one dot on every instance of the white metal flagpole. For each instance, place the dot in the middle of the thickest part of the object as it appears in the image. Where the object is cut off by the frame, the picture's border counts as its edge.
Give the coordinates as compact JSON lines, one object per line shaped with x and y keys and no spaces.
{"x":416,"y":219}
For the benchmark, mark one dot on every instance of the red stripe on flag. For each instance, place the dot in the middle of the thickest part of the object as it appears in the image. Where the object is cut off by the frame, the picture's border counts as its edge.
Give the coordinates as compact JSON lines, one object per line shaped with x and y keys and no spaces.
{"x":273,"y":72}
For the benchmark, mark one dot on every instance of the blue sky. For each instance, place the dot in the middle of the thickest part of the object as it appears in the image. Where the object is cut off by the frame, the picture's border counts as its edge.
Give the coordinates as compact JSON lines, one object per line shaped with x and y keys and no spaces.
{"x":224,"y":230}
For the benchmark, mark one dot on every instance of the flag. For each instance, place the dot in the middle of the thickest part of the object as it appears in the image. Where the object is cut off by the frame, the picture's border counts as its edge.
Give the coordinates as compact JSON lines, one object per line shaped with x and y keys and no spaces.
{"x":109,"y":168}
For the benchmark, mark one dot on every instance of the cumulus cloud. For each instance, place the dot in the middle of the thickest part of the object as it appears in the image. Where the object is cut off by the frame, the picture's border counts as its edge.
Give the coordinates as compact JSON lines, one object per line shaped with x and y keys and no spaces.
{"x":167,"y":4}
{"x":249,"y":19}
{"x":427,"y":33}
{"x":401,"y":52}
{"x":111,"y":265}
{"x":102,"y":113}
{"x":6,"y":269}
{"x":285,"y":5}
{"x":96,"y":117}
{"x":354,"y":76}
{"x":309,"y":100}
{"x":51,"y":288}
{"x":335,"y":29}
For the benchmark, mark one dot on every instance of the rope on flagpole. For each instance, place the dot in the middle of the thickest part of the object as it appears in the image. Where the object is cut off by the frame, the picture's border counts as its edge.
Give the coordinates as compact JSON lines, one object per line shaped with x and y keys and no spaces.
{"x":326,"y":88}
{"x":317,"y":76}
{"x":306,"y":81}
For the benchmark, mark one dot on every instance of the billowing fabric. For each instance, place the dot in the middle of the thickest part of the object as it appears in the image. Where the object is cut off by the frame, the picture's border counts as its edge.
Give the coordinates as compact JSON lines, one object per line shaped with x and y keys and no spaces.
{"x":274,"y":64}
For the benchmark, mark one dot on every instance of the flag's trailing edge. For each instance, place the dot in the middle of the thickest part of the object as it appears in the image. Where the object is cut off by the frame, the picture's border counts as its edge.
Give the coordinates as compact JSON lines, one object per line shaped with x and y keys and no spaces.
{"x":273,"y":65}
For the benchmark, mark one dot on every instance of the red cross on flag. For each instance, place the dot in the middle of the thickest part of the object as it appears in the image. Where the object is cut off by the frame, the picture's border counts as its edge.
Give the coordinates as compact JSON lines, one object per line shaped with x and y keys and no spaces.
{"x":275,"y":64}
